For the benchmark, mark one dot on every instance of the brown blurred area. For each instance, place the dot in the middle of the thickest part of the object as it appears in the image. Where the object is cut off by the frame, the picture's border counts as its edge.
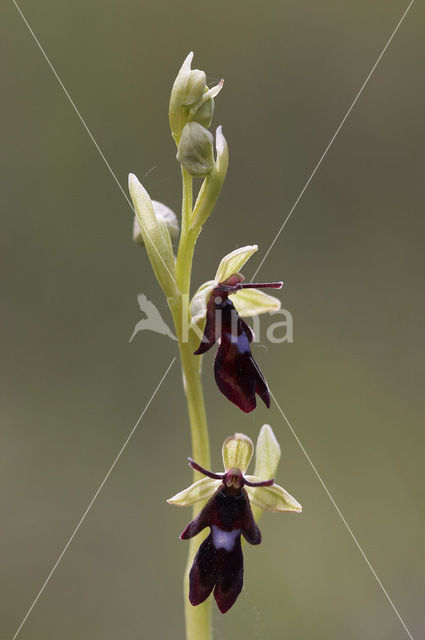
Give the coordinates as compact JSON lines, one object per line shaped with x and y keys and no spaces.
{"x":352,"y":259}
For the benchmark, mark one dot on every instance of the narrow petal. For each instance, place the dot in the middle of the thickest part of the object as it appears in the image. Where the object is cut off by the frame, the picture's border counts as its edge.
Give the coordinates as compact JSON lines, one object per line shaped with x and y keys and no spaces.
{"x":253,"y":302}
{"x":237,"y":452}
{"x":267,"y":453}
{"x":200,"y":490}
{"x":273,"y":498}
{"x":233,"y":262}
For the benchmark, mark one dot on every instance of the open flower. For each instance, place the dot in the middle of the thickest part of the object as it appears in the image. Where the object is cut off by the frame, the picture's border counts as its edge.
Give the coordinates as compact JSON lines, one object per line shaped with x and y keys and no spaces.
{"x":218,"y":564}
{"x":236,"y":373}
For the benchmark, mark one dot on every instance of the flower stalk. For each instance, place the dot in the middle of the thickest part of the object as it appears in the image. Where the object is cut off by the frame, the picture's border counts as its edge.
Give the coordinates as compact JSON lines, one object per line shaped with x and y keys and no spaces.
{"x":156,"y":226}
{"x":198,"y":620}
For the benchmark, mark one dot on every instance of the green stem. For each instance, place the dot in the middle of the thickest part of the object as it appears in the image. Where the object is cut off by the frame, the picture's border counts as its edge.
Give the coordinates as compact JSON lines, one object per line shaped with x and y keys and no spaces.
{"x":198,"y":619}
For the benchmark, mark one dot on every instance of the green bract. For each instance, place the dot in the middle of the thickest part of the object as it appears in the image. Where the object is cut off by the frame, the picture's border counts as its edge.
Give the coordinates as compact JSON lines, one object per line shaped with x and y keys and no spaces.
{"x":156,"y":236}
{"x":164,"y":214}
{"x":211,"y":187}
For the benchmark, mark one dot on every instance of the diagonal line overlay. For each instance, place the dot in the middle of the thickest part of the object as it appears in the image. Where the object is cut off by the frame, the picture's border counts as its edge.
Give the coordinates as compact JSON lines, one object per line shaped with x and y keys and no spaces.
{"x":341,"y":124}
{"x":89,"y":132}
{"x":319,"y":477}
{"x":172,"y":362}
{"x":328,"y":493}
{"x":111,"y":468}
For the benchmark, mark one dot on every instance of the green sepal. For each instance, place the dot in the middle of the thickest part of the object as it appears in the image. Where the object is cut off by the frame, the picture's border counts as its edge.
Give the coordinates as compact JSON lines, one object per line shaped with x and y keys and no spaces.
{"x":237,"y":452}
{"x":274,"y":498}
{"x":253,"y":302}
{"x":267,"y":453}
{"x":267,"y":456}
{"x":233,"y":262}
{"x":199,"y":490}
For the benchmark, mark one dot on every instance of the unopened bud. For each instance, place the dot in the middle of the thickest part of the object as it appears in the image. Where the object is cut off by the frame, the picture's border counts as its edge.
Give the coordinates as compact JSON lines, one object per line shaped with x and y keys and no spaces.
{"x":194,"y":88}
{"x":188,"y":90}
{"x":204,"y":114}
{"x":195,"y":150}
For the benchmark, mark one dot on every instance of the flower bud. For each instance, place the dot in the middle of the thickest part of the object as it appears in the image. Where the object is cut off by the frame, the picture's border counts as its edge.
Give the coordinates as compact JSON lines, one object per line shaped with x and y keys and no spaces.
{"x":204,"y":114}
{"x":163,"y":214}
{"x":187,"y":92}
{"x":191,"y":99}
{"x":194,"y":89}
{"x":195,"y":150}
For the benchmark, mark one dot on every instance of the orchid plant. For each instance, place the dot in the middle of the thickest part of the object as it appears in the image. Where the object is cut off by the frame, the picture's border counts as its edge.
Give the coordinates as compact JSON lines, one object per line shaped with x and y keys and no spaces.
{"x":214,"y":314}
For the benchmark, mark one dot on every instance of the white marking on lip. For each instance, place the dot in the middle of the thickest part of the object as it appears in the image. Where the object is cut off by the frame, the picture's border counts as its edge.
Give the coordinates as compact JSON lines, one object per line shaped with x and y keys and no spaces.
{"x":224,"y":539}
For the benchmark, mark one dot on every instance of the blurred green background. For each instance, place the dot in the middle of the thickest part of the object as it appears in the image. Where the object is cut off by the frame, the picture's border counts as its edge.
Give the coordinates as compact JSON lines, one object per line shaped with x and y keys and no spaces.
{"x":352,"y":259}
